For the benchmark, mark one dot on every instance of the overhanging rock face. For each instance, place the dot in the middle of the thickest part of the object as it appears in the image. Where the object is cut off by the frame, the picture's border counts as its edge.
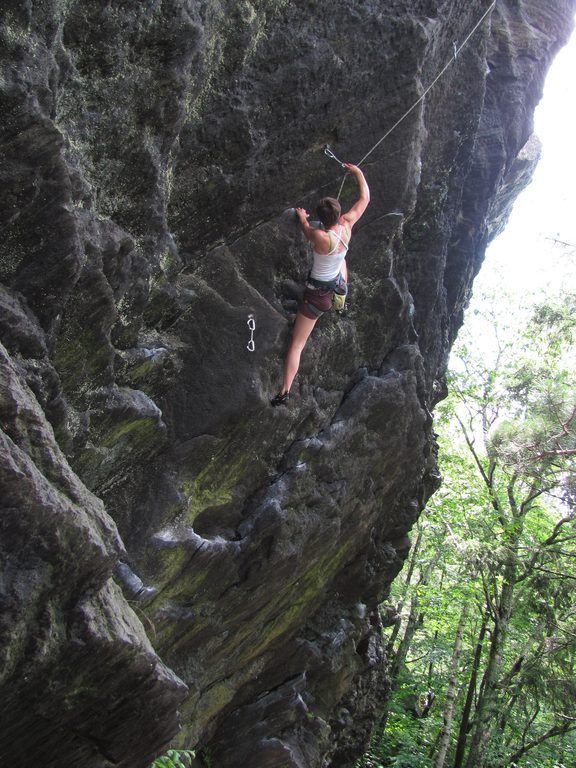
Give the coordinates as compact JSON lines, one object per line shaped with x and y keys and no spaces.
{"x":149,"y":153}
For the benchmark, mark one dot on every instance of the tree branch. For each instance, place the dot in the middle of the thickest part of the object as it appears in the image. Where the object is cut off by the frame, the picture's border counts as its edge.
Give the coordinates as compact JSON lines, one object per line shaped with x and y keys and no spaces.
{"x":556,"y":730}
{"x":488,"y":479}
{"x":557,"y":452}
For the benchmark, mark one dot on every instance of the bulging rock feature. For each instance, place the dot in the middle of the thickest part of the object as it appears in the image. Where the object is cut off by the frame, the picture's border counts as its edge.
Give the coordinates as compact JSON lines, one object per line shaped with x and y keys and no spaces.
{"x":181,"y":563}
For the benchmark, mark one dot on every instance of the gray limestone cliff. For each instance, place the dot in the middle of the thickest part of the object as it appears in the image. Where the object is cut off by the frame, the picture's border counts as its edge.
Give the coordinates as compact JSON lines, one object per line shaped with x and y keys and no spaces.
{"x":181,"y":563}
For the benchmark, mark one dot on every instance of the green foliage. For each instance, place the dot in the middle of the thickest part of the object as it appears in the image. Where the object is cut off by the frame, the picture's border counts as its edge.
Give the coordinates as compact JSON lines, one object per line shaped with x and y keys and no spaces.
{"x":175,"y":758}
{"x":494,"y":554}
{"x":206,"y":758}
{"x":404,"y":743}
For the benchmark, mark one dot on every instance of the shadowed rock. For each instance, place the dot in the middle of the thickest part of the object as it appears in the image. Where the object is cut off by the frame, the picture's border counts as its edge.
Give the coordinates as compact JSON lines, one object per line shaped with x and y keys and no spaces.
{"x":180,"y":562}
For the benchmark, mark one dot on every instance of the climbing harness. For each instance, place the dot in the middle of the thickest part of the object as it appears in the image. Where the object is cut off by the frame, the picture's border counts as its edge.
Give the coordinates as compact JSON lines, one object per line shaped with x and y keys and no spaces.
{"x":252,"y":326}
{"x":320,"y":295}
{"x":457,"y":49}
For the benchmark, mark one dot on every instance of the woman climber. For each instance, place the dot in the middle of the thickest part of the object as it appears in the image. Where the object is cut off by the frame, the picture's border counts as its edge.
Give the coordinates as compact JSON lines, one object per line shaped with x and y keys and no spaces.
{"x":328,"y":277}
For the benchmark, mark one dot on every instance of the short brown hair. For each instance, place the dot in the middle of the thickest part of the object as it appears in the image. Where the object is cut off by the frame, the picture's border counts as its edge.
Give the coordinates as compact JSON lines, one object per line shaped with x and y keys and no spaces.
{"x":329,"y":211}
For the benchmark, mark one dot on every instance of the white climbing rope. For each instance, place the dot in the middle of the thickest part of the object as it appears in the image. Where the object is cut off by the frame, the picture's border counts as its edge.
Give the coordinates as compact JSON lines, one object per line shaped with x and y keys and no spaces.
{"x":457,"y":50}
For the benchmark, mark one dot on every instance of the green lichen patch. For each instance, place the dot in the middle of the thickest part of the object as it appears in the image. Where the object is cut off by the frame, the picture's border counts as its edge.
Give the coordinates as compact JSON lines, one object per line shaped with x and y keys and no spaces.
{"x":283,"y":614}
{"x":217,"y":484}
{"x":82,"y":357}
{"x":116,"y":447}
{"x":136,"y":435}
{"x":173,"y":587}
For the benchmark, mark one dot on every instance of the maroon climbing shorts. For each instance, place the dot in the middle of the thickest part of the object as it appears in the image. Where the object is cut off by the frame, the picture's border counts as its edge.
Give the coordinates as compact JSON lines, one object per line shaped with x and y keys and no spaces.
{"x":315,"y":302}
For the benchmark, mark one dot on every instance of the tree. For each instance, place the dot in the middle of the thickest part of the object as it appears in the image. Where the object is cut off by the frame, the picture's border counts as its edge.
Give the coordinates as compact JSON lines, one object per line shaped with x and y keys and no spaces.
{"x":517,"y":418}
{"x":488,"y":604}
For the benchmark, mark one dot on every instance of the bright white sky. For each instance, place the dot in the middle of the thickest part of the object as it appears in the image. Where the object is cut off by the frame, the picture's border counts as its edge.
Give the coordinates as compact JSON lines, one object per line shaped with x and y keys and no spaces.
{"x":524,"y":257}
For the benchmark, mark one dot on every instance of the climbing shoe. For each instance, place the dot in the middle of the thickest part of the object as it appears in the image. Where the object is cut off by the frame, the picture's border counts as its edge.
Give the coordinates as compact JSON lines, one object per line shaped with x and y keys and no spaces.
{"x":280,"y":399}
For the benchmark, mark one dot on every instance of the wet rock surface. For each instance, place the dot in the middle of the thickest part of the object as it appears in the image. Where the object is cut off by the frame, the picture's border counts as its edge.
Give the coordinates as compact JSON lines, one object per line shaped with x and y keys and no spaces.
{"x":180,"y":562}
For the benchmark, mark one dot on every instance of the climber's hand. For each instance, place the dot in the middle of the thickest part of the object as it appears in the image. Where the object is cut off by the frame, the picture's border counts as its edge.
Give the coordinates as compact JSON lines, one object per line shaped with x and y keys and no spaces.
{"x":353,"y":169}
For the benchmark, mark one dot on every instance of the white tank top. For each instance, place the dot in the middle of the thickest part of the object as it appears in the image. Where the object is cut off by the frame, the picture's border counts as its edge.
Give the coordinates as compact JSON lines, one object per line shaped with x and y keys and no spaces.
{"x":327,"y":266}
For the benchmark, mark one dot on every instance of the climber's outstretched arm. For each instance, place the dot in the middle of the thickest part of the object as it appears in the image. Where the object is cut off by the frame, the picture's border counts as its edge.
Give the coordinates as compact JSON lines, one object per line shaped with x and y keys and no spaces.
{"x":361,"y":204}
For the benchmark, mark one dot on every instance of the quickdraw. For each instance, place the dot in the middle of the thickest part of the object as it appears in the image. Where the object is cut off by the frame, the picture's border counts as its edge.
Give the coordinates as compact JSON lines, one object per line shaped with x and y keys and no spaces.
{"x":328,"y":152}
{"x":252,"y":326}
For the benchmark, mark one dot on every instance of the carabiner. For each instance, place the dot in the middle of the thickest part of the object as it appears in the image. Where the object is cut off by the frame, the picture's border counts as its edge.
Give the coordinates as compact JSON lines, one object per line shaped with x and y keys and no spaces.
{"x":251,"y":346}
{"x":328,"y":152}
